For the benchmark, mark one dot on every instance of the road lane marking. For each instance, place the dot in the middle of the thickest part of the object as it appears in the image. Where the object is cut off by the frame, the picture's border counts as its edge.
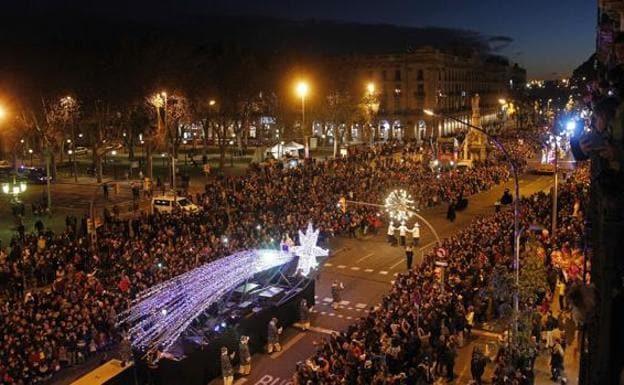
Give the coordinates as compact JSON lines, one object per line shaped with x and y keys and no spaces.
{"x":331,"y":314}
{"x":383,"y":272}
{"x":327,"y":264}
{"x":361,"y":306}
{"x":368,"y":270}
{"x":392,"y":282}
{"x":344,"y":303}
{"x":364,"y":257}
{"x":349,"y":317}
{"x":340,"y":316}
{"x":402,"y":260}
{"x":349,"y":308}
{"x":322,"y":330}
{"x":355,"y":268}
{"x":288,"y":345}
{"x":323,"y":313}
{"x":340,"y":250}
{"x":327,"y":299}
{"x":341,"y":266}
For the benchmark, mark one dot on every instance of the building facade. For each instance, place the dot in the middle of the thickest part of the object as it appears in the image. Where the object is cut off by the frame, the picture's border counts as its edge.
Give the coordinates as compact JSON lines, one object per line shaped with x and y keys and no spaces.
{"x":428,"y":78}
{"x":602,"y":337}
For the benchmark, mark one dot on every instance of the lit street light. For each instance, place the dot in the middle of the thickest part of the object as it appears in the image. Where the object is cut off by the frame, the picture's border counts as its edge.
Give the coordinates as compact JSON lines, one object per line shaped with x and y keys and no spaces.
{"x":302,"y":90}
{"x":370,"y":87}
{"x":516,"y":238}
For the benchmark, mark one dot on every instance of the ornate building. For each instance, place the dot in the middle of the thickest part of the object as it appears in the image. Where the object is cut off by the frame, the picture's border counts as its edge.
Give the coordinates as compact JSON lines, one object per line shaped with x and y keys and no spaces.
{"x":428,"y":78}
{"x":602,"y":338}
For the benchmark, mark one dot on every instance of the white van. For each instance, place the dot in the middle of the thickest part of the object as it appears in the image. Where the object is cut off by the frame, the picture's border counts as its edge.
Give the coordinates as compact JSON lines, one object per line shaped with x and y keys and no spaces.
{"x":168,"y":203}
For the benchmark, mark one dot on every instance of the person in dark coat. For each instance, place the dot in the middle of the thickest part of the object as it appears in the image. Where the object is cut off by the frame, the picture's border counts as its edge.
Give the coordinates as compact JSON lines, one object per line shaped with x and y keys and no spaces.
{"x":244,"y":356}
{"x":556,"y":361}
{"x":273,"y":336}
{"x":477,"y":365}
{"x":507,"y":198}
{"x":409,"y":256}
{"x":336,"y":289}
{"x":304,"y":315}
{"x":450,"y":213}
{"x":226,"y":366}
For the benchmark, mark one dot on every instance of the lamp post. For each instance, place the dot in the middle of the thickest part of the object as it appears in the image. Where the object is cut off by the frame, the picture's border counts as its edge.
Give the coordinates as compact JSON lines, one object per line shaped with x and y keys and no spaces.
{"x":302,"y":90}
{"x":516,"y":237}
{"x":372,"y":106}
{"x":14,"y":188}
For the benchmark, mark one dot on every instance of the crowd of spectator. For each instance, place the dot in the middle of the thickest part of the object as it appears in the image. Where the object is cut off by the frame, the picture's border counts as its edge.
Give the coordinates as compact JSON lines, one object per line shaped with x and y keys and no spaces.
{"x":413,"y":335}
{"x":77,"y":287}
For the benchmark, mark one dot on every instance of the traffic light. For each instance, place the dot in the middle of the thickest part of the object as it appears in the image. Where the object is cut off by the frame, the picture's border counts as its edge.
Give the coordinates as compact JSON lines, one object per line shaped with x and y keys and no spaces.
{"x":342,"y":204}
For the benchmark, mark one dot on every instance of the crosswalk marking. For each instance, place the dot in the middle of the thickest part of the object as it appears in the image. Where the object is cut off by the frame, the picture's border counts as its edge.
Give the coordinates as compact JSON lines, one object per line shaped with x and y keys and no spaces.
{"x":383,"y":272}
{"x":368,"y":270}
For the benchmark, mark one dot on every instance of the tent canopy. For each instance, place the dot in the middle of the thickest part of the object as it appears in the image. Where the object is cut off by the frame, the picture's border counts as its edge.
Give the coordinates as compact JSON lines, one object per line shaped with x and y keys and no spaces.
{"x":290,"y":148}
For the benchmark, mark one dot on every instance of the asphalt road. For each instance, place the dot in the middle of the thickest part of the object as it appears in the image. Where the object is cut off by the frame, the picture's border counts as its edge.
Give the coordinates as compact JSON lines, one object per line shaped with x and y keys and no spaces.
{"x":367,"y":267}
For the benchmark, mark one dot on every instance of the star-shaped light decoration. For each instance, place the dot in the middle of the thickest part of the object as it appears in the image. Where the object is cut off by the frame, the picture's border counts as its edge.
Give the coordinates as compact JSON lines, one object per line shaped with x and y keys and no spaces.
{"x":399,"y":205}
{"x":308,"y":251}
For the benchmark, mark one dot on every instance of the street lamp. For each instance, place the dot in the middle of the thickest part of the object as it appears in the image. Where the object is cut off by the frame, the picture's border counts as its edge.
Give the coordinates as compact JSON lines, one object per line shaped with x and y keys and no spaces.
{"x":30,"y":151}
{"x":516,"y":238}
{"x":302,"y":91}
{"x":14,"y":188}
{"x":370,"y":88}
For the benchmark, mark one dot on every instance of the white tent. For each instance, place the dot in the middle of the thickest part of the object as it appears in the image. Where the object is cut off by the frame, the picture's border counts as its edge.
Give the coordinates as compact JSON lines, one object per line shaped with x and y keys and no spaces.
{"x":290,"y":148}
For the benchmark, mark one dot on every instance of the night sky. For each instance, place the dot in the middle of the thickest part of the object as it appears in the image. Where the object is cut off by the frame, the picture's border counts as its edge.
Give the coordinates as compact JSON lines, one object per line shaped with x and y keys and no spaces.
{"x":550,"y":37}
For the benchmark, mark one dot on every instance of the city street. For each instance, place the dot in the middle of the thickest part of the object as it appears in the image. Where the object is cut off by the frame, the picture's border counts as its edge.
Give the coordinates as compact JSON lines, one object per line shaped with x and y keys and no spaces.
{"x":367,"y":266}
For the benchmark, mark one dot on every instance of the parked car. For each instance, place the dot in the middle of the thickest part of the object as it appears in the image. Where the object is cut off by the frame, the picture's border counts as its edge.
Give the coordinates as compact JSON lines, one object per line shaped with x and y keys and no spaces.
{"x":166,"y":204}
{"x":35,"y":175}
